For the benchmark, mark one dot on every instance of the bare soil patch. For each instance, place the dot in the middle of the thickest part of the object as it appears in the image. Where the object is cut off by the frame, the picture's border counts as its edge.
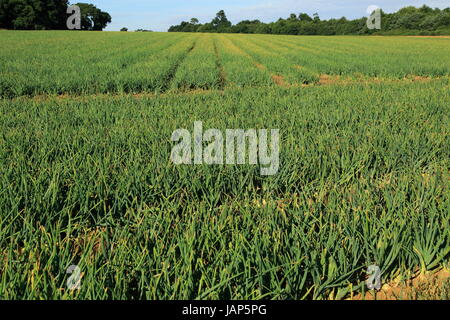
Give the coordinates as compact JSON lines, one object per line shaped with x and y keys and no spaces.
{"x":445,"y":37}
{"x":326,"y":79}
{"x":421,"y":79}
{"x":260,"y":66}
{"x":432,"y":286}
{"x":279,"y":80}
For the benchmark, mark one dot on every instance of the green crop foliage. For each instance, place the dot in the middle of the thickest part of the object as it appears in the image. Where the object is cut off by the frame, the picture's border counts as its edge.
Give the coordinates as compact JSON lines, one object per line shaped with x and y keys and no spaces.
{"x":239,"y":67}
{"x":198,"y":70}
{"x":86,"y":177}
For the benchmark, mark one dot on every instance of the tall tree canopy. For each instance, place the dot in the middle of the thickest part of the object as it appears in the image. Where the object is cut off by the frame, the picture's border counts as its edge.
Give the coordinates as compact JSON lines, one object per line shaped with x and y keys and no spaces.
{"x":33,"y":14}
{"x":47,"y":14}
{"x":219,"y":24}
{"x":409,"y":20}
{"x":93,"y":18}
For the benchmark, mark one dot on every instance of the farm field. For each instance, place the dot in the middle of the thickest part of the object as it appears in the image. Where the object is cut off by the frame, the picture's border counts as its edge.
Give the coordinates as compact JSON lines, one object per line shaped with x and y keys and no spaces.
{"x":79,"y":63}
{"x":86,"y":120}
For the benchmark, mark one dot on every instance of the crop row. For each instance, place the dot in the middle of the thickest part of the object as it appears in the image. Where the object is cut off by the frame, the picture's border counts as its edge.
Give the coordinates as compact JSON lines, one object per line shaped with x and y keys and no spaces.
{"x":80,"y":63}
{"x":199,"y":69}
{"x":363,"y":180}
{"x":96,"y":67}
{"x":374,"y":57}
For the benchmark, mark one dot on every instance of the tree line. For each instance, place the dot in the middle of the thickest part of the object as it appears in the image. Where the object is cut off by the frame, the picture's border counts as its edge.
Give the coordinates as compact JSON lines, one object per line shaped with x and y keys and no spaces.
{"x":48,"y":15}
{"x":409,"y":20}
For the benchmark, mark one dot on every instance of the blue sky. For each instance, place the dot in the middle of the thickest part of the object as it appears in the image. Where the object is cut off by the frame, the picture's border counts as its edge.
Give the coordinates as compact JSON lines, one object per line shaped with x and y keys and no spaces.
{"x":159,"y":15}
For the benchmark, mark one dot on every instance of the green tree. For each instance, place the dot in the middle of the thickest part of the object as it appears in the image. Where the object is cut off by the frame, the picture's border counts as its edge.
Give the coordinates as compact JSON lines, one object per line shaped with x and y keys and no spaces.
{"x":207,"y":27}
{"x":413,"y":20}
{"x":220,"y":22}
{"x":92,"y":18}
{"x":263,"y":28}
{"x":304,"y":17}
{"x":246,"y":26}
{"x":316,"y":17}
{"x":33,"y":14}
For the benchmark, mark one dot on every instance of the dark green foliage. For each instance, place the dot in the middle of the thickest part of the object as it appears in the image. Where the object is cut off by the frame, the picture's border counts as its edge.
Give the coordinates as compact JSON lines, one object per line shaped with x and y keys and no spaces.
{"x":33,"y":14}
{"x":219,"y":24}
{"x":92,"y":18}
{"x":424,"y":20}
{"x":48,"y":15}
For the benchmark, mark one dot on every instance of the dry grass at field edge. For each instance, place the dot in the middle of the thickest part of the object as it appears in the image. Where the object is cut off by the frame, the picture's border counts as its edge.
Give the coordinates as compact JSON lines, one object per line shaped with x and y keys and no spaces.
{"x":436,"y":37}
{"x":324,"y":80}
{"x":431,"y":286}
{"x":140,"y":95}
{"x":327,"y":80}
